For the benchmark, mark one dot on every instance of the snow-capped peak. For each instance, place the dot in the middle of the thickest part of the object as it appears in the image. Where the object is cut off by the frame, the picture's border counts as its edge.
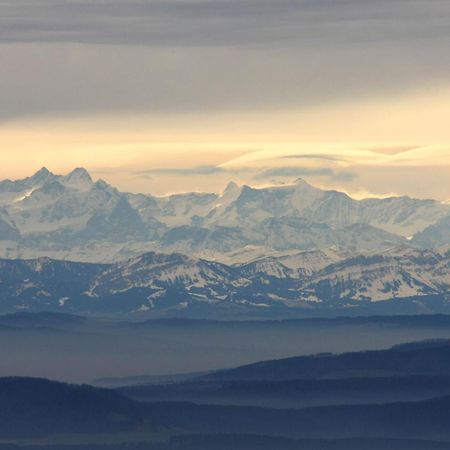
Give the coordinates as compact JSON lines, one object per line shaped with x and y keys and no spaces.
{"x":231,"y":189}
{"x":42,"y":172}
{"x":302,"y":182}
{"x":40,"y":177}
{"x":230,"y":194}
{"x":78,"y":178}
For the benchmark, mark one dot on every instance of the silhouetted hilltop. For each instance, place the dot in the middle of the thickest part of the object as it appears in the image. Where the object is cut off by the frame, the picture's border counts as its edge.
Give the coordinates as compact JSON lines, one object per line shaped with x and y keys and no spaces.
{"x":430,"y":358}
{"x":34,"y":407}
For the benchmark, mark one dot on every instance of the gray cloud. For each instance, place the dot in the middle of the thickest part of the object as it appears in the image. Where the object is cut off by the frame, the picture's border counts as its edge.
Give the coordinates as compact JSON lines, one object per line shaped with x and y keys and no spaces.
{"x":219,"y":22}
{"x":201,"y":55}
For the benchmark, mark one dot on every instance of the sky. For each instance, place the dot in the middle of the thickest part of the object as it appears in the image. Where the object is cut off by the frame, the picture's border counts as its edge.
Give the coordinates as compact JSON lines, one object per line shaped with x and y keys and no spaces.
{"x":168,"y":96}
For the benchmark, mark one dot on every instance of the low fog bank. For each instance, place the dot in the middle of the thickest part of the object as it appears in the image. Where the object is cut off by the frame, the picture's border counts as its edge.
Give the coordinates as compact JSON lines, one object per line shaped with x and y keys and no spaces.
{"x":84,"y":350}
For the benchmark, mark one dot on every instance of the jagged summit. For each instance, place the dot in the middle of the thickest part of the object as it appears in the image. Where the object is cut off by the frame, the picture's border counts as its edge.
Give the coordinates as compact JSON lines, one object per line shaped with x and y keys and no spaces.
{"x":302,"y":184}
{"x":80,"y":173}
{"x":43,"y":171}
{"x":230,"y":194}
{"x":41,"y":175}
{"x":231,"y":189}
{"x":79,"y":178}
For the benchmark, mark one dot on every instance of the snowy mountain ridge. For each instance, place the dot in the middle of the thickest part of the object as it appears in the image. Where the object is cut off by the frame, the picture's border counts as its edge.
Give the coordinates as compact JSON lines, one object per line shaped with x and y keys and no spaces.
{"x":156,"y":284}
{"x":75,"y":218}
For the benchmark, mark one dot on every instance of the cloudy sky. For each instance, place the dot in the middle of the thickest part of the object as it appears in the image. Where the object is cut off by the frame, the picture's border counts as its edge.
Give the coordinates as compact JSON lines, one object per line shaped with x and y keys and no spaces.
{"x":175,"y":95}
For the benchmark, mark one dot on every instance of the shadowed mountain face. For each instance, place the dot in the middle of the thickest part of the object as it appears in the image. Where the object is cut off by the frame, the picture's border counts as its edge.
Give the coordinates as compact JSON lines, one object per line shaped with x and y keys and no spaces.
{"x":72,"y":217}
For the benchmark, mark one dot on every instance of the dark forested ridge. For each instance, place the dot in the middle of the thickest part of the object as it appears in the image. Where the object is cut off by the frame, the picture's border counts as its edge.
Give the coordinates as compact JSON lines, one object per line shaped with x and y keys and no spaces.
{"x":294,"y":393}
{"x":37,"y":408}
{"x":431,"y":358}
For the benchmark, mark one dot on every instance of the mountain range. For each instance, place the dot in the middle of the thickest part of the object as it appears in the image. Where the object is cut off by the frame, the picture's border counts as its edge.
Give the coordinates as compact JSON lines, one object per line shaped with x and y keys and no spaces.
{"x":158,"y":284}
{"x":73,"y":217}
{"x":71,"y":244}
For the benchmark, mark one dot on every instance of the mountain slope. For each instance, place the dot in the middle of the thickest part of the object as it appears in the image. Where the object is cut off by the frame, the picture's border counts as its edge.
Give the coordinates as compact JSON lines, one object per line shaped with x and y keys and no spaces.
{"x":380,"y":277}
{"x":435,"y":235}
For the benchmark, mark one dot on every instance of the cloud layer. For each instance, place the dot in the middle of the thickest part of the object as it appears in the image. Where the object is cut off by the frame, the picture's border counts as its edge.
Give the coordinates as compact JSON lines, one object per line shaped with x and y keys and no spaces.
{"x":222,"y":22}
{"x":180,"y":56}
